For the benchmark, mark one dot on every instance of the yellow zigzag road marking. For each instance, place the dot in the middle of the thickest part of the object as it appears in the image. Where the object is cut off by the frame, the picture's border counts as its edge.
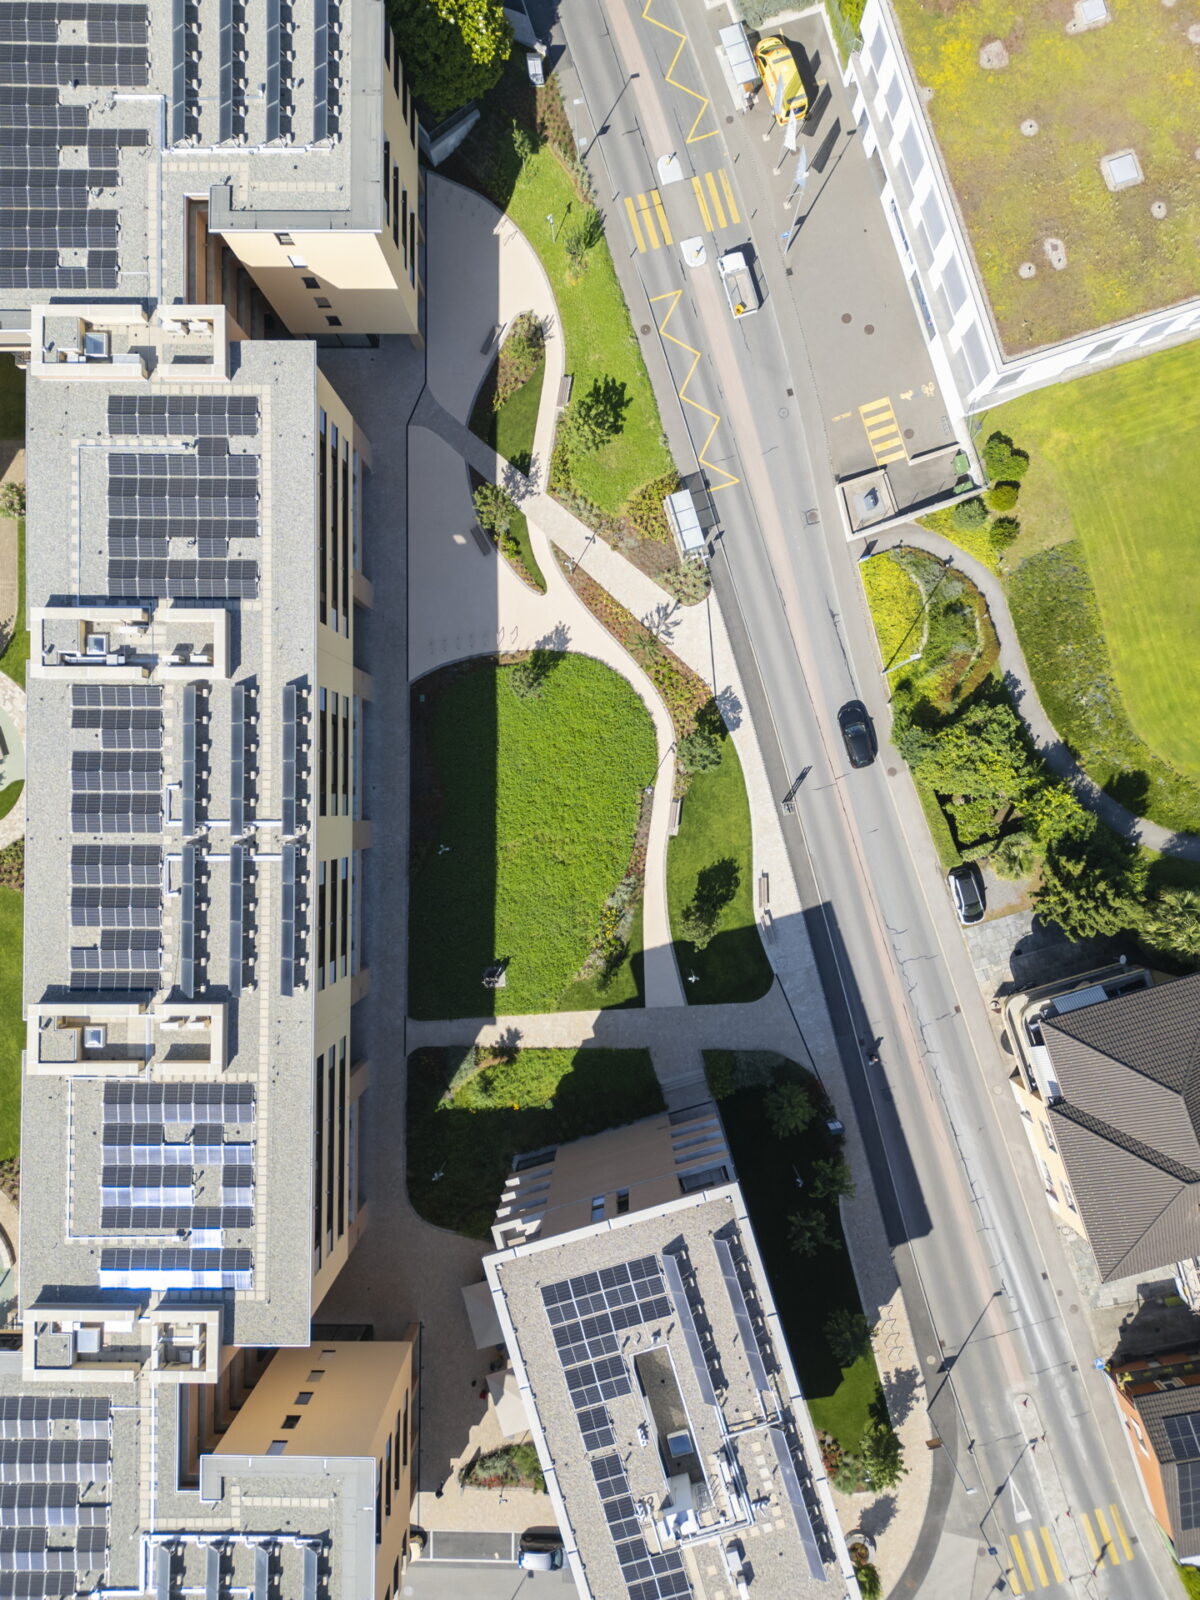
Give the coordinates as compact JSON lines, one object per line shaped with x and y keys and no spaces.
{"x":674,"y":296}
{"x":693,"y":137}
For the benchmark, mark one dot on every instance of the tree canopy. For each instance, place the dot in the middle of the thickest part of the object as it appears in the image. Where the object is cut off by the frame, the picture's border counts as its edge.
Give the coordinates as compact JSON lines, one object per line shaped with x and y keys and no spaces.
{"x":453,"y":50}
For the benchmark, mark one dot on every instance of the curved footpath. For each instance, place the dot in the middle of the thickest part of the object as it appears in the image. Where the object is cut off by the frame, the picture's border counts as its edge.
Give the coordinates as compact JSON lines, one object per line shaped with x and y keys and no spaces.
{"x":1053,"y":751}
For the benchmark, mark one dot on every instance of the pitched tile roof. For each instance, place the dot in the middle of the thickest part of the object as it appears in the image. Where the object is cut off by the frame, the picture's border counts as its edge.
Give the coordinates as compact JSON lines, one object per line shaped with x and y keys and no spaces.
{"x":1128,"y":1124}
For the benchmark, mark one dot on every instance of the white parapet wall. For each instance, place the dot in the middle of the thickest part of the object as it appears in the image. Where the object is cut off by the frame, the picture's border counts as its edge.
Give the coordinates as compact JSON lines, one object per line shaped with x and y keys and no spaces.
{"x":931,"y":242}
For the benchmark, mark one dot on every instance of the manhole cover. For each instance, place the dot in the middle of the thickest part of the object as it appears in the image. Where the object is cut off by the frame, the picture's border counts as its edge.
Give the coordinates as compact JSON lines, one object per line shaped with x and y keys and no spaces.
{"x":783,"y":411}
{"x":1027,"y":270}
{"x":870,"y":328}
{"x":1074,"y":1311}
{"x":908,"y":433}
{"x":1158,"y":209}
{"x":812,"y":516}
{"x":846,"y":317}
{"x":729,"y":121}
{"x":645,"y":327}
{"x":891,"y":772}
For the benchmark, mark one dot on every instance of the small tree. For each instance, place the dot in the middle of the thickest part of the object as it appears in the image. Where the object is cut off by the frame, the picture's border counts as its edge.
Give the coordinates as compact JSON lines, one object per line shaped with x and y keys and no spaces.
{"x":1173,"y":923}
{"x":1014,"y":856}
{"x":1002,"y":533}
{"x":523,"y":143}
{"x":698,"y":751}
{"x":453,"y":50}
{"x":1002,"y":460}
{"x":494,"y":509}
{"x":1003,"y":497}
{"x":810,"y":1231}
{"x":12,"y":500}
{"x":831,"y":1180}
{"x":580,"y":237}
{"x":881,"y":1455}
{"x":789,"y":1109}
{"x":870,"y":1584}
{"x":697,"y":925}
{"x":847,"y":1335}
{"x":968,"y":515}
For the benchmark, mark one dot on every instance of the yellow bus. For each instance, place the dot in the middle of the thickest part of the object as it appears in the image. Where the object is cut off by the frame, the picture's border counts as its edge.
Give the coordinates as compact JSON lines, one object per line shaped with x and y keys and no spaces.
{"x":778,"y":67}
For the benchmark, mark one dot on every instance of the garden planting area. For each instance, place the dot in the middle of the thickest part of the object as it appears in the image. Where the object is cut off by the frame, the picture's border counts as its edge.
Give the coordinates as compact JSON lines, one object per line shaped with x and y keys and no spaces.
{"x":1023,"y":141}
{"x":527,"y":834}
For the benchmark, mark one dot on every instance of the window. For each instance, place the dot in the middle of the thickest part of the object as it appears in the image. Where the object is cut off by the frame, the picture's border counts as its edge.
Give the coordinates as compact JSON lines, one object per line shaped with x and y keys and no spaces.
{"x":1068,"y":1196}
{"x":387,"y":167}
{"x":303,"y":1397}
{"x":277,"y":1447}
{"x":284,"y":238}
{"x":323,"y":303}
{"x":334,"y":322}
{"x":292,"y":1421}
{"x":1049,"y":1137}
{"x":310,"y":283}
{"x":598,"y":1208}
{"x":622,"y":1202}
{"x":298,"y":261}
{"x":316,"y":1374}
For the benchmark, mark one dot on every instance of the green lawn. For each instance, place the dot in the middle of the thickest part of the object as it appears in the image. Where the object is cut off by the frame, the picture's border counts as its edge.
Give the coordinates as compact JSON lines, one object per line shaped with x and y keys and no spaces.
{"x":12,"y":399}
{"x":1134,"y":83}
{"x":1113,"y":464}
{"x":16,"y":652}
{"x":470,"y":1113}
{"x":536,"y":802}
{"x":510,"y":430}
{"x":12,"y":1028}
{"x":597,"y":332}
{"x":9,"y":796}
{"x":714,"y":836}
{"x":806,"y":1290}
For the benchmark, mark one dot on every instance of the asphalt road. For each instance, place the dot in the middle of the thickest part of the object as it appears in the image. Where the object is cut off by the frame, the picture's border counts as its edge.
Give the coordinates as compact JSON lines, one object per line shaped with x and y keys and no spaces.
{"x":1033,"y":1489}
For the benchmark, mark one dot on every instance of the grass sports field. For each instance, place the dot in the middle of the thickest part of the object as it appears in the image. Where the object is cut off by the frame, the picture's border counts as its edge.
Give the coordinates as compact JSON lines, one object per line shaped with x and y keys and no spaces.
{"x":1113,"y":463}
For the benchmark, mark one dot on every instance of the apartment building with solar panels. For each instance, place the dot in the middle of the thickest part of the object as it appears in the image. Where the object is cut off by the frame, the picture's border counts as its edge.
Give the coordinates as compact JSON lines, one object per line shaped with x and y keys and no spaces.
{"x":192,"y":1111}
{"x":257,"y":154}
{"x":678,"y":1451}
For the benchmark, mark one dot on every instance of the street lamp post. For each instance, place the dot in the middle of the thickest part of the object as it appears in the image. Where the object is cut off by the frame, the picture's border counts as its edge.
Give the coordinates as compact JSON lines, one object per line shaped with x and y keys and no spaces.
{"x":550,"y":220}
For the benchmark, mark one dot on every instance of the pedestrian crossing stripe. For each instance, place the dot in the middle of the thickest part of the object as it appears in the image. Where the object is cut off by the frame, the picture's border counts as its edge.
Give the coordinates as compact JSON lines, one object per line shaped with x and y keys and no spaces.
{"x":1121,"y":1534}
{"x":634,"y":225}
{"x":714,"y":196}
{"x":883,"y":432}
{"x":1035,"y":1564}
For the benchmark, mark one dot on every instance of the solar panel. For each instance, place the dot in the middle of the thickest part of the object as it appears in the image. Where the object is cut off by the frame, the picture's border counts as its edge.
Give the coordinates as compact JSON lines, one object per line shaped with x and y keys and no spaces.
{"x":321,"y":64}
{"x":274,"y":70}
{"x":188,"y":792}
{"x":237,"y":765}
{"x":1188,"y":1473}
{"x":687,"y":1322}
{"x":236,"y":912}
{"x":290,"y":705}
{"x":187,"y":923}
{"x":1183,"y":1435}
{"x":791,"y":1485}
{"x":287,"y":920}
{"x":741,"y":1315}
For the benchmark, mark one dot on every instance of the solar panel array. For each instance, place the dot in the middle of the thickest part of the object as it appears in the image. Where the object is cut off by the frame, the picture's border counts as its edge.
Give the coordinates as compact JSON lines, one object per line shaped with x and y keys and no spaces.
{"x":588,"y":1314}
{"x":791,"y":1484}
{"x":1189,"y":1494}
{"x":176,"y":1268}
{"x":326,"y":77}
{"x":741,"y":1315}
{"x":687,"y":1322}
{"x":55,"y":233}
{"x":1183,"y":1435}
{"x":150,"y":1184}
{"x":174,"y":513}
{"x":54,"y":1449}
{"x":116,"y":886}
{"x":116,"y":788}
{"x":648,"y":1574}
{"x":183,"y":416}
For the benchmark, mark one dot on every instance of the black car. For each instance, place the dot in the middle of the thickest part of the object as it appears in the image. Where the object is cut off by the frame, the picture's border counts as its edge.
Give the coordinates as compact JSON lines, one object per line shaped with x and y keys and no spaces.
{"x":857,"y":733}
{"x":966,"y":885}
